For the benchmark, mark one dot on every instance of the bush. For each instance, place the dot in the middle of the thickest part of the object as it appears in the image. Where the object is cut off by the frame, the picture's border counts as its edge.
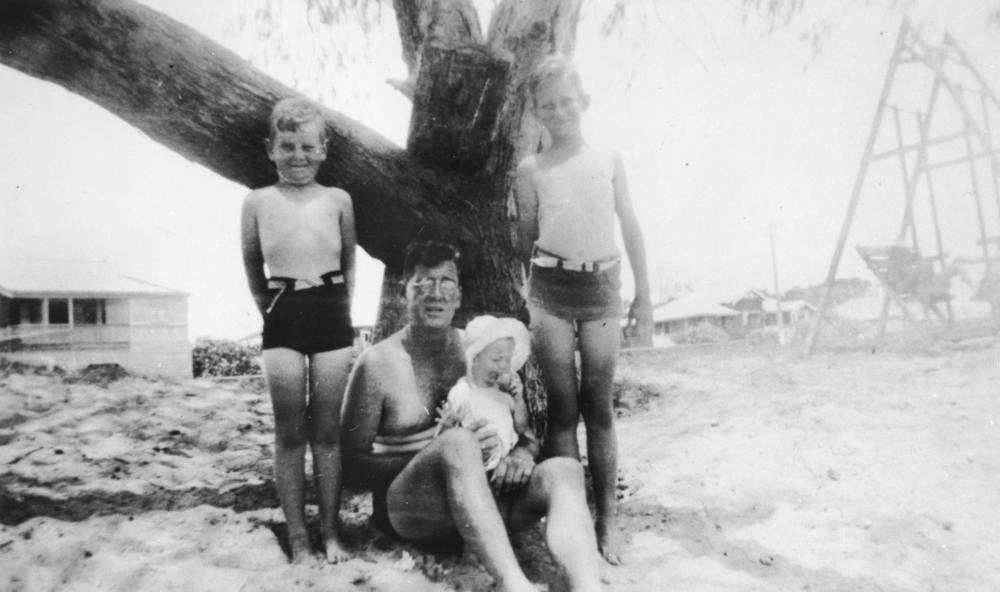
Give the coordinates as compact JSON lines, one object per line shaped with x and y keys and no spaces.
{"x":701,"y":333}
{"x":221,"y":357}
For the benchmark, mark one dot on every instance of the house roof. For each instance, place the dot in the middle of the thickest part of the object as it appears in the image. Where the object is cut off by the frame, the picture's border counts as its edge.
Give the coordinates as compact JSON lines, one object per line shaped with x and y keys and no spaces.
{"x":37,"y":278}
{"x":690,"y":306}
{"x":753,"y":294}
{"x":771,"y":305}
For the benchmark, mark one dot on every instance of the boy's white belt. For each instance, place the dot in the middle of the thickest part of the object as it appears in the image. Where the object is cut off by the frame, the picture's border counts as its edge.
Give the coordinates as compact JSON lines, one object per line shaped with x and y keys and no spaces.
{"x":287,"y":284}
{"x":545,"y":259}
{"x":296,"y":284}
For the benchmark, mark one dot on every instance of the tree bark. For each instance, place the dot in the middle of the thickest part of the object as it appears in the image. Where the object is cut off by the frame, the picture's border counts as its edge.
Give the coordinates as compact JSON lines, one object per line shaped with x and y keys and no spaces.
{"x":456,"y":107}
{"x":449,"y":22}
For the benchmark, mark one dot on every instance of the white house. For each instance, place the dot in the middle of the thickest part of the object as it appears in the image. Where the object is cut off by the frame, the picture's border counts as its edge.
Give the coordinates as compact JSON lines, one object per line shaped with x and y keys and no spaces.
{"x":77,"y":313}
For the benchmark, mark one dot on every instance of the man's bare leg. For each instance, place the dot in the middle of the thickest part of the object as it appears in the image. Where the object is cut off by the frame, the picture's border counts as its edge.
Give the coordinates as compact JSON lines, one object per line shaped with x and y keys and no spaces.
{"x":444,"y":492}
{"x":328,"y":374}
{"x":599,"y":344}
{"x":286,"y":379}
{"x":556,"y":491}
{"x":553,"y":341}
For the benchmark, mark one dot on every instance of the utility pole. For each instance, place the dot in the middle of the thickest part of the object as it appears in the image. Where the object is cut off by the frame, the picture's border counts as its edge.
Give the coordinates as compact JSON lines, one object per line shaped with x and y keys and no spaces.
{"x":777,"y":290}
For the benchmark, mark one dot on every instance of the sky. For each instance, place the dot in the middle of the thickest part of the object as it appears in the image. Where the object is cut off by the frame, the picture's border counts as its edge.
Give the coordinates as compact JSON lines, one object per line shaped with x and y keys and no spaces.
{"x":729,"y":135}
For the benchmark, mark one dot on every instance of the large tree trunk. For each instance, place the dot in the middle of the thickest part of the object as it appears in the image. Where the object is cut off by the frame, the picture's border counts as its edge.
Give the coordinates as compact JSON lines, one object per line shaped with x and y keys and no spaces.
{"x":484,"y":88}
{"x":202,"y":101}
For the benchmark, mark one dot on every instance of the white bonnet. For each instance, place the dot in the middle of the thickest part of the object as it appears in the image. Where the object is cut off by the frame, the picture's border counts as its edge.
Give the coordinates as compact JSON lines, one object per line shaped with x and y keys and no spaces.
{"x":484,"y":330}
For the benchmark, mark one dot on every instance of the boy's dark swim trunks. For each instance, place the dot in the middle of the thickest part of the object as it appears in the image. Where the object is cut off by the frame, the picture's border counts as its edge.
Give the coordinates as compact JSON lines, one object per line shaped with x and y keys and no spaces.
{"x":576,"y":295}
{"x":309,"y":321}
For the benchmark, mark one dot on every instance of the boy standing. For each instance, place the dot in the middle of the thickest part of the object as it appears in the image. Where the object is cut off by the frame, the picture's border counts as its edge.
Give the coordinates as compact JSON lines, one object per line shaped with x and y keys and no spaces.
{"x":568,"y":197}
{"x":304,"y":234}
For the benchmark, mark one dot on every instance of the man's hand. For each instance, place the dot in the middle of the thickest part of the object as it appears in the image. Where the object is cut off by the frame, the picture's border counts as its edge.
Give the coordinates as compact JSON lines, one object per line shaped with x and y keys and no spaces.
{"x":513,"y":472}
{"x":487,"y":436}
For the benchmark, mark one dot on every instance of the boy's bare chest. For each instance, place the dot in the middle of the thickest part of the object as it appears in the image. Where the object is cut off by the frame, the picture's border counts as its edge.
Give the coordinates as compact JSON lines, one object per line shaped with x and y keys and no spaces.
{"x":279,"y":214}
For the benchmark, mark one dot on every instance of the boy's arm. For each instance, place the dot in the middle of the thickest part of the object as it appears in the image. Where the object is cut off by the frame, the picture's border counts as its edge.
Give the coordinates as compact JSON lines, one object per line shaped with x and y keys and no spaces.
{"x":253,"y":256}
{"x":348,"y":243}
{"x":641,"y":310}
{"x":527,"y":211}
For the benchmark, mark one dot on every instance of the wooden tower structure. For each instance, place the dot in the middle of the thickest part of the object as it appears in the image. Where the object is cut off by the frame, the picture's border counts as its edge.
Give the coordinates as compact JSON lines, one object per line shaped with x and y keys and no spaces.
{"x":956,"y":87}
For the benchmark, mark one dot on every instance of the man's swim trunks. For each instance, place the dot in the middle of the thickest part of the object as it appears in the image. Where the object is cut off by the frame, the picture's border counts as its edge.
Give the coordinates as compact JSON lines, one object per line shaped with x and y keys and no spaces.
{"x":310,"y":320}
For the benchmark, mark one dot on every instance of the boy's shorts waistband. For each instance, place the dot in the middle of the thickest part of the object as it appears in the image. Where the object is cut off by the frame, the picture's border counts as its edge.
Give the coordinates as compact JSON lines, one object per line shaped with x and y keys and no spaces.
{"x":543,"y":258}
{"x":294,"y":284}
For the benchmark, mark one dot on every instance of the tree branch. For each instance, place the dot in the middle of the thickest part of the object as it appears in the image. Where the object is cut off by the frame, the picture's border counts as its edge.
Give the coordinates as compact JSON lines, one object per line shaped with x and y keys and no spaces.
{"x":204,"y":102}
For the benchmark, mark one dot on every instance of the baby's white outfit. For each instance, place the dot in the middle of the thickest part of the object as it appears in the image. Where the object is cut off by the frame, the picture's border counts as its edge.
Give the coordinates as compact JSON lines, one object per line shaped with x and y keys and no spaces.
{"x":486,"y":403}
{"x":474,"y":402}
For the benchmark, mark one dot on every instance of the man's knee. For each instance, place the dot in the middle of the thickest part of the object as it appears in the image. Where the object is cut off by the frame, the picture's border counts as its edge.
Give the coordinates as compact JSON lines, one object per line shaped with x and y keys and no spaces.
{"x":558,"y":472}
{"x":458,"y":447}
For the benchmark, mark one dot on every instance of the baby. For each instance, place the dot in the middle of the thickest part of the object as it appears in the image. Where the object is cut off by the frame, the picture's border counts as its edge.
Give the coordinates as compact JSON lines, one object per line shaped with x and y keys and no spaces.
{"x":495,"y":349}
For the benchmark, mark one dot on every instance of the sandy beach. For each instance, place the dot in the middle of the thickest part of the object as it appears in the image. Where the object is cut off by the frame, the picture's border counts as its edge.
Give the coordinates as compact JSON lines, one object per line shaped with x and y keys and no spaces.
{"x":743,"y":468}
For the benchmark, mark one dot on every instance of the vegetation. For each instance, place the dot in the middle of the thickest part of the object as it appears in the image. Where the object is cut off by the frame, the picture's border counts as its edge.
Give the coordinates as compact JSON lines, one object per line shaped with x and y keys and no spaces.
{"x":703,"y":332}
{"x":221,"y":357}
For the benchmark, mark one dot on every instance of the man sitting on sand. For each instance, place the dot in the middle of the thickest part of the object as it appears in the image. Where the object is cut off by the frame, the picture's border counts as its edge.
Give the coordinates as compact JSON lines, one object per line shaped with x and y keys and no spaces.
{"x":429,"y":489}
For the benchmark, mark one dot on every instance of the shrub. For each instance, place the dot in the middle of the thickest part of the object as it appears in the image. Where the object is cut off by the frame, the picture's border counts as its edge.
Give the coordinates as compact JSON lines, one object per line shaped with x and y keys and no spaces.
{"x":701,"y":333}
{"x":221,"y":357}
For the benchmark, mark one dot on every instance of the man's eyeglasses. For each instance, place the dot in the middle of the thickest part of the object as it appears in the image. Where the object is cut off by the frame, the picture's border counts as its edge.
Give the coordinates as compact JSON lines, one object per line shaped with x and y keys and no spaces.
{"x":447,"y":286}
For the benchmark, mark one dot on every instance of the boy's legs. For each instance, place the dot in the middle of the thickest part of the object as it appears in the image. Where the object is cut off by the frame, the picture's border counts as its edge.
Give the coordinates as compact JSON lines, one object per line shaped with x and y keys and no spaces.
{"x":286,"y":379}
{"x":599,"y":344}
{"x":553,"y":340}
{"x":444,"y":492}
{"x":328,"y":378}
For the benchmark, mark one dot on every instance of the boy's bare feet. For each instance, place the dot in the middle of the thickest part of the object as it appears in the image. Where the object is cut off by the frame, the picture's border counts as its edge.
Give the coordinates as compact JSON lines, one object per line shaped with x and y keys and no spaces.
{"x":302,"y":552}
{"x":611,"y":541}
{"x":335,"y":551}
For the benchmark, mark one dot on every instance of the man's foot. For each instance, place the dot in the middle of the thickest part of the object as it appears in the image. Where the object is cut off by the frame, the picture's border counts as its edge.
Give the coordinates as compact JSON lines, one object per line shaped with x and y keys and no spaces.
{"x":611,"y":542}
{"x":335,"y":551}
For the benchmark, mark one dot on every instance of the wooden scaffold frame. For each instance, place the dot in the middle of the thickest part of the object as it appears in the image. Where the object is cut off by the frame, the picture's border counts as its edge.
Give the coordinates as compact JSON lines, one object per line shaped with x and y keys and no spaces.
{"x":977,"y":136}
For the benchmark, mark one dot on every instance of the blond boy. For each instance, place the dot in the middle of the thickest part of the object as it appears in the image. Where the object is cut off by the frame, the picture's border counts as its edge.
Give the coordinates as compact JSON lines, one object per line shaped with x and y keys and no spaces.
{"x":303,"y":234}
{"x":568,"y":197}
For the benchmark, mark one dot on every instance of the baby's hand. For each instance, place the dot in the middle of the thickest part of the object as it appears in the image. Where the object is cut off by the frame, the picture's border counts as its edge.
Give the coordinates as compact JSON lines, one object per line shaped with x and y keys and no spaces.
{"x":449,"y":416}
{"x":510,"y":383}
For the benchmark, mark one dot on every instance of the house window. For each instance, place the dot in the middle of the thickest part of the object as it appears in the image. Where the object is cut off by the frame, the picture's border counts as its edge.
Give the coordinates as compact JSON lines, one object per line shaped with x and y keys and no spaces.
{"x":25,"y":311}
{"x":58,"y":311}
{"x":88,"y":311}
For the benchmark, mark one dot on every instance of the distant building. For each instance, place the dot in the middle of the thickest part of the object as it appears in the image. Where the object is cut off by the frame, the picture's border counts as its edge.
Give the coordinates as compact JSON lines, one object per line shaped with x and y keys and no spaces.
{"x":77,"y":313}
{"x":689,"y":311}
{"x":751,"y":309}
{"x":759,"y":310}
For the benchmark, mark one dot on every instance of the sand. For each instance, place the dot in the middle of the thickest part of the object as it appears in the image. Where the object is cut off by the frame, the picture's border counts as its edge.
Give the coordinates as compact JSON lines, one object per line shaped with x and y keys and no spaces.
{"x":742,"y":468}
